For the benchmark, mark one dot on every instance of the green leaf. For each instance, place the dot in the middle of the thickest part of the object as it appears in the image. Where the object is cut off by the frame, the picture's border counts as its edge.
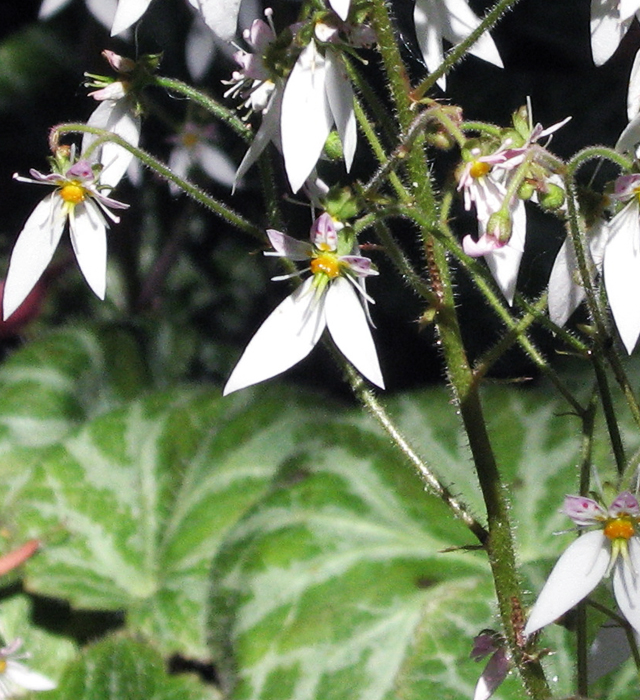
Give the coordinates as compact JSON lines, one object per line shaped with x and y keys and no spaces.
{"x":146,"y":494}
{"x":119,"y":668}
{"x":335,"y":586}
{"x":53,"y":384}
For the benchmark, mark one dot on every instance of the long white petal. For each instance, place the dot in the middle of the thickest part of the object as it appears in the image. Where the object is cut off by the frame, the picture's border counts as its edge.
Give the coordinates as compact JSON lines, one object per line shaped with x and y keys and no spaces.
{"x":341,"y":8}
{"x":33,"y":251}
{"x":306,"y":117}
{"x":89,"y":240}
{"x":630,"y":136}
{"x":284,"y":339}
{"x":103,"y":10}
{"x":626,"y":584}
{"x":200,"y":48}
{"x":50,"y":7}
{"x":128,"y":12}
{"x":118,"y":117}
{"x":622,"y":273}
{"x":461,"y":21}
{"x":606,"y":29}
{"x":494,"y":673}
{"x":216,"y":163}
{"x":221,"y":16}
{"x":347,"y":323}
{"x":565,"y":294}
{"x":633,"y":93}
{"x":429,"y":18}
{"x":340,"y":96}
{"x":577,"y":572}
{"x":26,"y":678}
{"x":179,"y":162}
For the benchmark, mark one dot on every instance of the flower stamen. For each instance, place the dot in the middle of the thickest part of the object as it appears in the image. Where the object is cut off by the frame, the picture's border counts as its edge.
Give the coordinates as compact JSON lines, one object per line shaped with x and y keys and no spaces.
{"x":619,"y":529}
{"x":73,"y":193}
{"x":326,"y":264}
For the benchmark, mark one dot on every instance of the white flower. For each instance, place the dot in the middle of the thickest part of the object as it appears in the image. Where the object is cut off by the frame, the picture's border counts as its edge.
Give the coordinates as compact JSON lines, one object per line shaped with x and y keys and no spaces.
{"x":610,"y":21}
{"x":194,"y":149}
{"x":612,"y":547}
{"x":317,"y":95}
{"x":15,"y":677}
{"x":452,"y":20}
{"x":333,"y":298}
{"x":622,"y":261}
{"x":77,"y":198}
{"x":103,"y":10}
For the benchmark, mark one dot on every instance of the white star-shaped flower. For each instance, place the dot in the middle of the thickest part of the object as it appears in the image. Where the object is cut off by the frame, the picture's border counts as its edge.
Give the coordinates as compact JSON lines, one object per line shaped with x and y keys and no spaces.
{"x":78,"y":199}
{"x":15,"y":676}
{"x":452,"y":20}
{"x":612,"y":545}
{"x":333,"y":298}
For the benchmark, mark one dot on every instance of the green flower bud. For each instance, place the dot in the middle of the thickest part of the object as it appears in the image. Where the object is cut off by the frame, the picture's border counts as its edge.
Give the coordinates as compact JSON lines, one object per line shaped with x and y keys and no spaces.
{"x":526,"y":191}
{"x":500,"y":226}
{"x":553,"y":198}
{"x":333,"y":147}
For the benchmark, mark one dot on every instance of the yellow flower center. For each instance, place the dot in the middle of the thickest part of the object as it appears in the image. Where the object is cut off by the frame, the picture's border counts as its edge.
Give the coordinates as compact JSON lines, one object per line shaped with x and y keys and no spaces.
{"x":479,"y":168}
{"x":3,"y":665}
{"x":326,"y":263}
{"x":619,"y":529}
{"x":190,"y":140}
{"x":73,"y":193}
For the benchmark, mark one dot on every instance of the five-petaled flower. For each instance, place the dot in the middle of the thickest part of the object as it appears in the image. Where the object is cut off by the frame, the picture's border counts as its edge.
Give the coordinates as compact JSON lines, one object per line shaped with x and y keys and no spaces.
{"x":78,"y":199}
{"x":15,"y":676}
{"x":333,"y":297}
{"x":613,"y":546}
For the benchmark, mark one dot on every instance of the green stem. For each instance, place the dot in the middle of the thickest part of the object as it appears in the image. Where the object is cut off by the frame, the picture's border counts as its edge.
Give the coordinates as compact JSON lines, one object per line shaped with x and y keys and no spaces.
{"x":228,"y":116}
{"x":609,"y":413}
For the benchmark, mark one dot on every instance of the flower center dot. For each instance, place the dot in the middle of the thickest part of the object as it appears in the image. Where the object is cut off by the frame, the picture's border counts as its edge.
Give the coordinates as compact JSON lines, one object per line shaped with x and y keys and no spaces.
{"x":72,"y":193}
{"x":619,"y":529}
{"x":479,"y":168}
{"x":3,"y":665}
{"x":190,"y":140}
{"x":327,"y":264}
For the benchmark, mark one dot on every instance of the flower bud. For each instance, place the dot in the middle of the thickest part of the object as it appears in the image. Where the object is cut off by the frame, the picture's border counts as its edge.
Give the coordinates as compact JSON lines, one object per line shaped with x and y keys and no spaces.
{"x":333,"y":147}
{"x":499,"y":227}
{"x":526,"y":191}
{"x":553,"y":198}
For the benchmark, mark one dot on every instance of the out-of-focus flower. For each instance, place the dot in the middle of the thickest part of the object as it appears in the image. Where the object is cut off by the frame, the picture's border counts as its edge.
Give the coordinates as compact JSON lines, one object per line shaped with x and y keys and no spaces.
{"x":78,"y":198}
{"x":452,"y":20}
{"x":194,"y":148}
{"x":498,"y":666}
{"x":610,"y":21}
{"x":333,"y":297}
{"x":15,"y":677}
{"x":613,"y":546}
{"x":103,"y":10}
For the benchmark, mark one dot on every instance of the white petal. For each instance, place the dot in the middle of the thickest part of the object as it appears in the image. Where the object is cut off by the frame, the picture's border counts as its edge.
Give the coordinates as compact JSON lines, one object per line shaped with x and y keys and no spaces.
{"x":179,"y":162}
{"x":347,"y":323}
{"x":89,"y":240}
{"x":221,"y":16}
{"x":216,"y":164}
{"x":340,"y":96}
{"x":103,"y":10}
{"x":50,"y":7}
{"x":630,"y":136}
{"x":283,"y":340}
{"x":461,"y":22}
{"x":622,"y":273}
{"x":577,"y":572}
{"x":626,"y":584}
{"x":565,"y":293}
{"x":33,"y":251}
{"x":341,"y":8}
{"x":428,"y":18}
{"x":200,"y":48}
{"x":504,"y":263}
{"x":269,"y":131}
{"x":26,"y":678}
{"x":118,"y":117}
{"x":606,"y":29}
{"x":128,"y":12}
{"x":633,"y":93}
{"x":306,"y":117}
